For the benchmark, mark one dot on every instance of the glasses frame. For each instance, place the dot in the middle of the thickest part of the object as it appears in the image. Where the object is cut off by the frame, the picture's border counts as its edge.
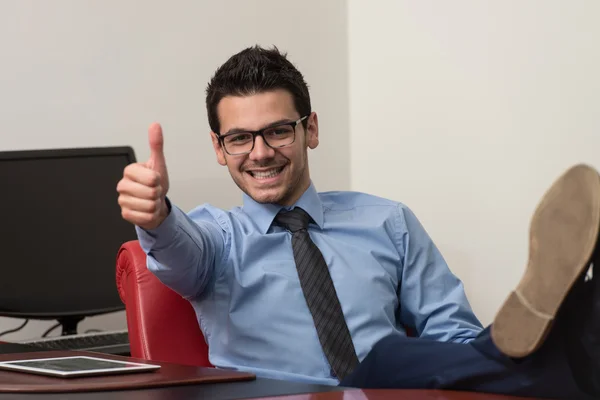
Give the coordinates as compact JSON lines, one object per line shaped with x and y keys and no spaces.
{"x":260,"y":133}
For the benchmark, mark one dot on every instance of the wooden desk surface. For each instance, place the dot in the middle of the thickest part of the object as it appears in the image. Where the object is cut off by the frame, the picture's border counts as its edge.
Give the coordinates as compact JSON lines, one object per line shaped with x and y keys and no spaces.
{"x":282,"y":390}
{"x":389,"y":394}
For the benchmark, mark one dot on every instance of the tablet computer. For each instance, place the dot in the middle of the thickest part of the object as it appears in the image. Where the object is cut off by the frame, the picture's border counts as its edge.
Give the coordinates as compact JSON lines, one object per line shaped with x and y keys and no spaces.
{"x":76,"y":366}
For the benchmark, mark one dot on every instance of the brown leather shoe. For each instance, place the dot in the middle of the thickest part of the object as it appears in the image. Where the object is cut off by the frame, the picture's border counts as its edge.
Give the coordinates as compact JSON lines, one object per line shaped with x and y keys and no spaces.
{"x":562,"y":238}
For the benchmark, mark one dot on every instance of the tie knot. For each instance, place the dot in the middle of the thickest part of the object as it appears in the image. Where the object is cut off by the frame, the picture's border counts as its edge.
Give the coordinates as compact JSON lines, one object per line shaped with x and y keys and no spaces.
{"x":293,"y":220}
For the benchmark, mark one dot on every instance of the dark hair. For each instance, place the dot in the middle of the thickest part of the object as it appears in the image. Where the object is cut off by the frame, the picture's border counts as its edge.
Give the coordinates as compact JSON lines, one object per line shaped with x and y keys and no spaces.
{"x":256,"y":70}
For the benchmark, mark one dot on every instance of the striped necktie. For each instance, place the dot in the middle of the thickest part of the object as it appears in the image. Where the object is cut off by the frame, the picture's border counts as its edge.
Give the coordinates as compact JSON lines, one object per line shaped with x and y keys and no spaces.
{"x":320,"y":294}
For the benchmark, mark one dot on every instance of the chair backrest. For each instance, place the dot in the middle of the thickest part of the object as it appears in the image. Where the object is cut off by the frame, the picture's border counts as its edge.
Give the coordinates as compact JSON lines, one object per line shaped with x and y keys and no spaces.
{"x":162,"y":325}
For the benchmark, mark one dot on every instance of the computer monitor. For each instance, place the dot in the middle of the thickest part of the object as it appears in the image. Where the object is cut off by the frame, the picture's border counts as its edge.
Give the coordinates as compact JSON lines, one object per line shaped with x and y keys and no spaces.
{"x":60,"y":231}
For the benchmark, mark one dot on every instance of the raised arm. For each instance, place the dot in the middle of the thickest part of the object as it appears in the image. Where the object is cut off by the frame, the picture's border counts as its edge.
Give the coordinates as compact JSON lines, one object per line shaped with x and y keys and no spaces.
{"x":182,"y":252}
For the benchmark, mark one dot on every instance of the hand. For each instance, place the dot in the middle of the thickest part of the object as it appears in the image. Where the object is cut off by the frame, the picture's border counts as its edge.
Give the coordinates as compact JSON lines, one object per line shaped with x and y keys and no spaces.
{"x":144,"y":186}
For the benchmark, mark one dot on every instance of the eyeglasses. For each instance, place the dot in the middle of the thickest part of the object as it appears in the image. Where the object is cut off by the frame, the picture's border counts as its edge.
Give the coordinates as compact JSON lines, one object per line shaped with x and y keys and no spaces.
{"x":277,"y":136}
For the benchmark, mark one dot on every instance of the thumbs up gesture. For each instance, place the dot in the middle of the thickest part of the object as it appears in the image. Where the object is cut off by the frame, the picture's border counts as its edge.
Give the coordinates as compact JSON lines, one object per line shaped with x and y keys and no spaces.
{"x":144,"y":186}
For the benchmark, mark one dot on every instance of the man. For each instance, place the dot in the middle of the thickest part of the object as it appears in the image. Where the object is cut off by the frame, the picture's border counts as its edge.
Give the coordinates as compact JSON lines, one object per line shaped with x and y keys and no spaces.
{"x":323,"y":287}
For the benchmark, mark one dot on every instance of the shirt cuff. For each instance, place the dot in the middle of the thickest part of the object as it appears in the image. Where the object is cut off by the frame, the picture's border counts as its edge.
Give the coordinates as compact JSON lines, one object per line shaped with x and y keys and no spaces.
{"x":163,"y":235}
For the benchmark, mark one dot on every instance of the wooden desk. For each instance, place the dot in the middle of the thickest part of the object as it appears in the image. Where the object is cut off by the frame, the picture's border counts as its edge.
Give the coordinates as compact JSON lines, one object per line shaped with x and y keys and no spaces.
{"x":260,"y":388}
{"x":214,"y":391}
{"x":387,"y":394}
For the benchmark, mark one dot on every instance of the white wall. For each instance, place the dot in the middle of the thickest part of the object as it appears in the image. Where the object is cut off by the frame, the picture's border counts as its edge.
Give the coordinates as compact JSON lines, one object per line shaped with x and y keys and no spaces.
{"x":466,"y":111}
{"x":98,"y":72}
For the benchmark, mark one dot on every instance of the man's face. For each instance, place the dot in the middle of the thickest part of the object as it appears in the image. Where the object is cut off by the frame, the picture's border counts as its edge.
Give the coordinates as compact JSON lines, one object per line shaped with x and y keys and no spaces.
{"x":268,"y":175}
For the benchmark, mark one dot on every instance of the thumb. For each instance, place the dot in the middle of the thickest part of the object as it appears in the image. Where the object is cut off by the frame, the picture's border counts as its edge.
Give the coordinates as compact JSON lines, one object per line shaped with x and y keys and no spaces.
{"x":157,"y":160}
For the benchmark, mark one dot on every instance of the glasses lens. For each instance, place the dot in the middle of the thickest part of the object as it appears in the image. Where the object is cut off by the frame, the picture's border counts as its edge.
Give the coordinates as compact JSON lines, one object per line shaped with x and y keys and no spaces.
{"x":279,"y":136}
{"x":238,"y":143}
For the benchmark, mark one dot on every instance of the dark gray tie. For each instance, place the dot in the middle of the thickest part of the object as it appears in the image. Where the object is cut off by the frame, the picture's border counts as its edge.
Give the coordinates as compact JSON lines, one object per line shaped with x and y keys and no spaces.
{"x":320,"y":294}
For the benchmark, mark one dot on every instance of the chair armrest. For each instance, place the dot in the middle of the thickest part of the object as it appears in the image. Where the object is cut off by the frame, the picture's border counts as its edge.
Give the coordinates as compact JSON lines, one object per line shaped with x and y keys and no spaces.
{"x":162,"y":325}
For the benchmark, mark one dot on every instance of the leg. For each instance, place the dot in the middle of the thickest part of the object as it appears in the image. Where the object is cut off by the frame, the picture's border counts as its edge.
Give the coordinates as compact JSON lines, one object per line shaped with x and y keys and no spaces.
{"x":412,"y":363}
{"x":566,"y":365}
{"x":562,"y":238}
{"x":564,"y":233}
{"x":583,"y":345}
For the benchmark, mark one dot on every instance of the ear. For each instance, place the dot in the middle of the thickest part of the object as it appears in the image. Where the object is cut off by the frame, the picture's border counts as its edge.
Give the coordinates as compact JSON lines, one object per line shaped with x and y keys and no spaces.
{"x":221,"y":159}
{"x":312,"y":131}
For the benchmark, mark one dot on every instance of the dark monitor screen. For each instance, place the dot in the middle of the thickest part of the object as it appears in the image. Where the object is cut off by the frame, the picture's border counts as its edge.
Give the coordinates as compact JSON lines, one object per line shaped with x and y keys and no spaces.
{"x":60,"y":231}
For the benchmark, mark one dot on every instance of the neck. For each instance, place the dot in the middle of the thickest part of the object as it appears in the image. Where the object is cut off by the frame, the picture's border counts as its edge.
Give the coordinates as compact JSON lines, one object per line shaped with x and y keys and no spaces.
{"x":303,"y":185}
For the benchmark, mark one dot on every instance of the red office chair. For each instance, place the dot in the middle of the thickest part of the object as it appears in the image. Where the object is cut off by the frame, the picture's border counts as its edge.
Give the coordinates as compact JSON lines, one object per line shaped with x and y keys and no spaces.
{"x":162,"y":325}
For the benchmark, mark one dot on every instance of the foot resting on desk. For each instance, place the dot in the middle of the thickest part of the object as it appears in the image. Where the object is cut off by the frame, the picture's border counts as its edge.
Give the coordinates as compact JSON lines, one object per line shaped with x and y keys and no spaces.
{"x":545,"y":339}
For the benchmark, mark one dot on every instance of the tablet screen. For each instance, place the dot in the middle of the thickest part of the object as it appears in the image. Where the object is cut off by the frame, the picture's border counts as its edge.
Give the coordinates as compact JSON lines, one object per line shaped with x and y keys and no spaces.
{"x":76,"y":366}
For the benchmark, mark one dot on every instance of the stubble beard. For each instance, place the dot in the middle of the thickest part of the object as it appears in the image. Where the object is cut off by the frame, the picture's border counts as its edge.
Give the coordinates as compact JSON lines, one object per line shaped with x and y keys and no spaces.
{"x":288,"y":192}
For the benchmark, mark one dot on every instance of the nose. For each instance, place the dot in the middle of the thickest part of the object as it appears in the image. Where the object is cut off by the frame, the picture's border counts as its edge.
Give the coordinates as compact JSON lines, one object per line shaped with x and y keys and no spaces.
{"x":261,"y":151}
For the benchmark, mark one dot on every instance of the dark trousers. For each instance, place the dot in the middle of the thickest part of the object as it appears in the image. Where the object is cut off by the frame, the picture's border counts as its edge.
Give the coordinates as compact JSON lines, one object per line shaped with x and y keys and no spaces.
{"x":413,"y":363}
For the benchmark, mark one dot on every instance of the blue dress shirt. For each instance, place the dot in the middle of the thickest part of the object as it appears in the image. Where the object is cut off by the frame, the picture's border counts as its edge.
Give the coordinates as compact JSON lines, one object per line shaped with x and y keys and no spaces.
{"x":238,"y":272}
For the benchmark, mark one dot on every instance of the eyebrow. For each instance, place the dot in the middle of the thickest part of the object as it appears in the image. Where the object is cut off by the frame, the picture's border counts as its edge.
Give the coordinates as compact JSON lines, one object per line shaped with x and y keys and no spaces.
{"x":272,"y":124}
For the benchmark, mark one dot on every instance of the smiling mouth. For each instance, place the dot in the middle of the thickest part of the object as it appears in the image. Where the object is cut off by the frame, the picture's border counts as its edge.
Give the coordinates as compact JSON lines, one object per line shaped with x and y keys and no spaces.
{"x":267,"y":174}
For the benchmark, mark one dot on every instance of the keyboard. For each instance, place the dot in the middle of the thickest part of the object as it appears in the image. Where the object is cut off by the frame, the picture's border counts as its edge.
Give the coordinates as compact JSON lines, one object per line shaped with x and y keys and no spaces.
{"x":114,"y":342}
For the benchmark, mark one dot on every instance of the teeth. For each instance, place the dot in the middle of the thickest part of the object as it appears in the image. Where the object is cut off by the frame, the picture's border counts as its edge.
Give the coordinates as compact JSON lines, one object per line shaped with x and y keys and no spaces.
{"x":266,"y":174}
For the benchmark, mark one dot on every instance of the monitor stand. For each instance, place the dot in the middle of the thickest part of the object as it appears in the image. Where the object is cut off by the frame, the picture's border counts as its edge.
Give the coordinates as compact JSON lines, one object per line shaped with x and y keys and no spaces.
{"x":69,"y":324}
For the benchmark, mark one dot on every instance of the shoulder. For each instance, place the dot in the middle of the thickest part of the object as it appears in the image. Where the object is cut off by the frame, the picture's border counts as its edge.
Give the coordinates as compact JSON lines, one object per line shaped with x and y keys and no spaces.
{"x":340,"y":200}
{"x":368,"y":207}
{"x":364,"y":206}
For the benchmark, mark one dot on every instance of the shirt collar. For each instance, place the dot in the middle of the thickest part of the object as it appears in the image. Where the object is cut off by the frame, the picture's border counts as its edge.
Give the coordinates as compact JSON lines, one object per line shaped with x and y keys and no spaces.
{"x":263,"y":214}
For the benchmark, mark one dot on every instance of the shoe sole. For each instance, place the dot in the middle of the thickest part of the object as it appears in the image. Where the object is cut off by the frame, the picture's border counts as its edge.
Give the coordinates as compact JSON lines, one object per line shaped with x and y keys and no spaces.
{"x":562,"y":237}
